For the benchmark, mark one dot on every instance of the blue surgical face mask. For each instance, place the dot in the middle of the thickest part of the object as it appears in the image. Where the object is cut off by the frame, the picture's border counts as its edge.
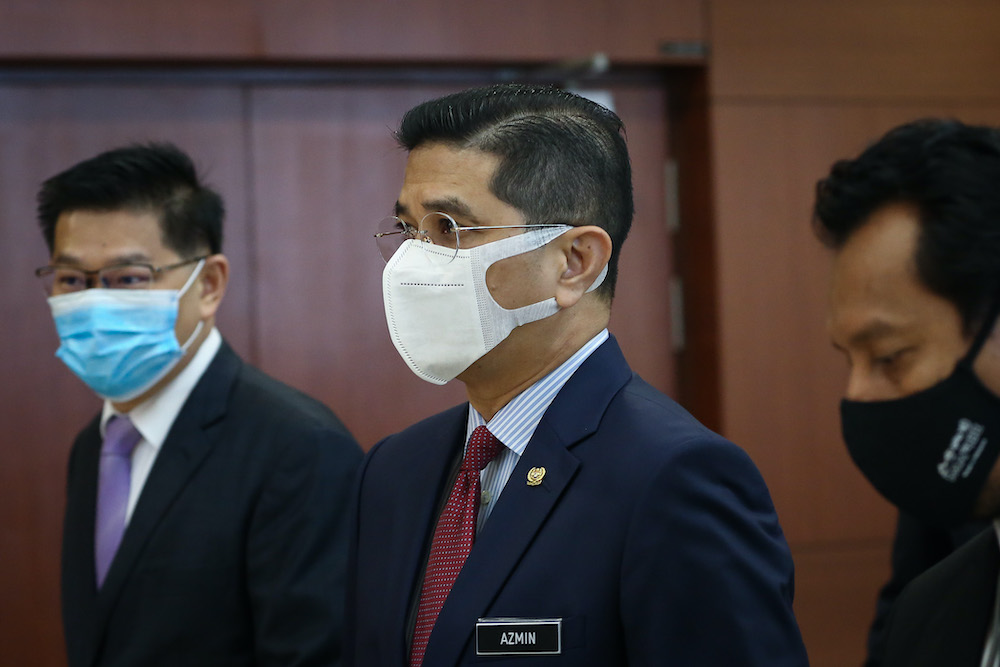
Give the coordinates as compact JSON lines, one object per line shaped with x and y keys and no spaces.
{"x":120,"y":342}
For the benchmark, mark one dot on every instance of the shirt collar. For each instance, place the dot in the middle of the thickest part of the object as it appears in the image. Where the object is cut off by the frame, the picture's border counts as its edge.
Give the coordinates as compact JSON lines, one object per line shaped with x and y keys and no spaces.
{"x":154,"y":416}
{"x":516,"y":422}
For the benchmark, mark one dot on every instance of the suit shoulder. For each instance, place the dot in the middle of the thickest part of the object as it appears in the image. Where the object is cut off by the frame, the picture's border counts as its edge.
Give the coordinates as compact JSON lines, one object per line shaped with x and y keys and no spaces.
{"x":431,"y":431}
{"x":976,"y":559}
{"x":259,"y":397}
{"x":655,"y":421}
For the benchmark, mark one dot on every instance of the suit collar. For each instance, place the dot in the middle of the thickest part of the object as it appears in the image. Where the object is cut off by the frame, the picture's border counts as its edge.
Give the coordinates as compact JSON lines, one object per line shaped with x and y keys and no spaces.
{"x":522,"y":510}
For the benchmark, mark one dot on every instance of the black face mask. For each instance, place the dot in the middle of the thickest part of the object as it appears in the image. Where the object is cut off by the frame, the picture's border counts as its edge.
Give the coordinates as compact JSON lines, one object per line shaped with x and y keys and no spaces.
{"x":929,"y":453}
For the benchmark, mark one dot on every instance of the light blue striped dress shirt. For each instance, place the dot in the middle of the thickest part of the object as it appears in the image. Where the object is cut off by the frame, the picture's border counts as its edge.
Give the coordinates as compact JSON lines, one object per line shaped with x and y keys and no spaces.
{"x":516,"y":422}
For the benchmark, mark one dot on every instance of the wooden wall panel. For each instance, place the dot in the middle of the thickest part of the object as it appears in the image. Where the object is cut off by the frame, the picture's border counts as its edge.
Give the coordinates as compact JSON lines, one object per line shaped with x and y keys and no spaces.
{"x":42,"y":406}
{"x":372,"y":31}
{"x":879,"y":50}
{"x":641,"y":313}
{"x":326,"y":170}
{"x":835,"y":590}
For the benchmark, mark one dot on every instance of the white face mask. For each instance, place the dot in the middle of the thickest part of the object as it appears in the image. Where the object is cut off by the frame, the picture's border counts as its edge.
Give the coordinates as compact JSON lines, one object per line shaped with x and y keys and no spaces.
{"x":441,"y":316}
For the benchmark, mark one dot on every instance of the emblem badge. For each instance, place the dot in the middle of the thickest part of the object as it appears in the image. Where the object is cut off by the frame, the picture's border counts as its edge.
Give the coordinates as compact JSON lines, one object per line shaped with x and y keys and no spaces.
{"x":535,"y":476}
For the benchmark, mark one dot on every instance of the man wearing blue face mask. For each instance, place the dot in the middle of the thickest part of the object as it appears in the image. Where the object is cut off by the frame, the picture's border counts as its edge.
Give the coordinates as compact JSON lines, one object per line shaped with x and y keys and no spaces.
{"x":206,"y":502}
{"x":914,"y":222}
{"x":569,"y":513}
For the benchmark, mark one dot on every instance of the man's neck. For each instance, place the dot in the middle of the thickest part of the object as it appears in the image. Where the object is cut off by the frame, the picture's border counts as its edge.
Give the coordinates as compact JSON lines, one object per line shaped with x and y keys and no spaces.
{"x":529,"y":354}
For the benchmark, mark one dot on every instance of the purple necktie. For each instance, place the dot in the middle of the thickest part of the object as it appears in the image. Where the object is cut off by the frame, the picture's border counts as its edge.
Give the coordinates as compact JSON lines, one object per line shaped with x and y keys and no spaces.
{"x":113,"y":482}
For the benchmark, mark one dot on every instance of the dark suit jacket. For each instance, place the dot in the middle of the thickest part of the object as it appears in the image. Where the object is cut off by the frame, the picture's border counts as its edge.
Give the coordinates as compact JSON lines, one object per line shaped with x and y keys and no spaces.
{"x":652,"y":538}
{"x":917,"y":547}
{"x":941,"y":619}
{"x":236,"y":550}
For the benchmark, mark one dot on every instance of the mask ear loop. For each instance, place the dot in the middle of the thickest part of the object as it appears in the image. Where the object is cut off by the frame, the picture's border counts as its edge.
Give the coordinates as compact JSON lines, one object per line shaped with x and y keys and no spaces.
{"x":984,"y":332}
{"x":180,"y":293}
{"x":190,"y":280}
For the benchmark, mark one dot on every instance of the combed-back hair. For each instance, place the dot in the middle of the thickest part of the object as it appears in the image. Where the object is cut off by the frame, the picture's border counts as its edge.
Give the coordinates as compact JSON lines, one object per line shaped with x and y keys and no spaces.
{"x":155,"y":178}
{"x":950,"y":173}
{"x":561,"y":157}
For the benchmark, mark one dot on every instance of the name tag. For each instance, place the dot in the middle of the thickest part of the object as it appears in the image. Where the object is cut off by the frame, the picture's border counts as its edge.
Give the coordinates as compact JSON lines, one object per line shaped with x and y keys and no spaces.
{"x":519,"y":636}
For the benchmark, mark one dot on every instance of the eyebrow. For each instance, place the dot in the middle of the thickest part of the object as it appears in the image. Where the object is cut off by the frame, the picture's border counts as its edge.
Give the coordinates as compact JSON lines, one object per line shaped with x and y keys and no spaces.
{"x":72,"y":260}
{"x":453,"y":206}
{"x":870,"y":332}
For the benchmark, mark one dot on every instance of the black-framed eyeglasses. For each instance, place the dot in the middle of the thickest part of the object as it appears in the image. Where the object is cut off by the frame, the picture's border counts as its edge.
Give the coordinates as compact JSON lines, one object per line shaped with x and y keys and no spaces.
{"x":61,"y":279}
{"x":437,"y":228}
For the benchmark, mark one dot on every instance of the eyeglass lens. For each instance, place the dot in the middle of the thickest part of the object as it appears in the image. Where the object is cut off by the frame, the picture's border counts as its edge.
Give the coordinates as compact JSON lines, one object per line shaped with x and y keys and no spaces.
{"x":436,"y":228}
{"x":63,"y":280}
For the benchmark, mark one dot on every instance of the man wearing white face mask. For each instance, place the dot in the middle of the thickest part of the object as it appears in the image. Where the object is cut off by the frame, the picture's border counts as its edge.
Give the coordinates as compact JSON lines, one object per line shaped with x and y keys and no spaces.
{"x":568,"y":514}
{"x":206,"y":503}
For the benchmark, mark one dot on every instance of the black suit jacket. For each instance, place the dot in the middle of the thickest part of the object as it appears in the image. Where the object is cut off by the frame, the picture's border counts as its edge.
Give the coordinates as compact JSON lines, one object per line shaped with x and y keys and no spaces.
{"x":235,"y":552}
{"x":653,"y":539}
{"x":917,"y":547}
{"x":941,"y":619}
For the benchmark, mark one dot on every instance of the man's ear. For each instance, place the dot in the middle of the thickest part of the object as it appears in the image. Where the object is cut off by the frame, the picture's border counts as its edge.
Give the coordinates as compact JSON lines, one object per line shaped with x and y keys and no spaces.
{"x":213,"y":280}
{"x":585,"y":251}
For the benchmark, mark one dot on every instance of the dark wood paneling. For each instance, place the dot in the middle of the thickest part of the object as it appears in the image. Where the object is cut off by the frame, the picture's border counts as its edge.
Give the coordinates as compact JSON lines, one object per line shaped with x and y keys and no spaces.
{"x":44,"y":130}
{"x":327,"y":170}
{"x":698,"y":363}
{"x":640,"y":315}
{"x":835,"y":590}
{"x":887,"y":49}
{"x":376,"y":30}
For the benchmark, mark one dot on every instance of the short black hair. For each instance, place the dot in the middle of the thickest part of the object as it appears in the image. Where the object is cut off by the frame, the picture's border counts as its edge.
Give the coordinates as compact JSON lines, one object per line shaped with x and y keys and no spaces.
{"x":156,"y":178}
{"x":562,"y":158}
{"x":950,"y":172}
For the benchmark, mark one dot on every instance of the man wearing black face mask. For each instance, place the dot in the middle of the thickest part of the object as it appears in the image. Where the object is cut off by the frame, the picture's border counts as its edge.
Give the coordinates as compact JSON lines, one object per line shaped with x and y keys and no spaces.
{"x":915,"y":225}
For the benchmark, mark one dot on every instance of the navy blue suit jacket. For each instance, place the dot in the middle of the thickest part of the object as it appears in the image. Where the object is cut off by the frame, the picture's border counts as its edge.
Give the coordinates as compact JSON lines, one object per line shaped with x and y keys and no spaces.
{"x":236,"y":551}
{"x":652,"y":538}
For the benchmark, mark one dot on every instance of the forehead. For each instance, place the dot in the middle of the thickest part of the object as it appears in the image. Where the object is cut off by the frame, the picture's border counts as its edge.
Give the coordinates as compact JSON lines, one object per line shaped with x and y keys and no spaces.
{"x":100,"y":236}
{"x":437,"y":173}
{"x":874,"y":277}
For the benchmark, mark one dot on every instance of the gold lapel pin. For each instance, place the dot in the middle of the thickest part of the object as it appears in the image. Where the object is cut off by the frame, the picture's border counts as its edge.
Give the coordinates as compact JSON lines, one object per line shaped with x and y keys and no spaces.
{"x":535,"y":476}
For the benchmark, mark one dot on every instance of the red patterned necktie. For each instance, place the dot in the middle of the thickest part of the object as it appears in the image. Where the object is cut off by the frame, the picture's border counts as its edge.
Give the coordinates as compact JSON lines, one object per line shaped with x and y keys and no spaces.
{"x":453,"y":536}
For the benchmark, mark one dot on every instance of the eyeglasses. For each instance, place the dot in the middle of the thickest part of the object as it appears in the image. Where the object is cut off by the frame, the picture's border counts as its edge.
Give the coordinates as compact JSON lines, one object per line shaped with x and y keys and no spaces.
{"x":66,"y":279}
{"x":437,"y":228}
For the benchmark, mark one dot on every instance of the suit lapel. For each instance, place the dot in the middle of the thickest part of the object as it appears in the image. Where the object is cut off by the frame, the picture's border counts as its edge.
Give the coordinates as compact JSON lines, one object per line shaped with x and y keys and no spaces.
{"x":188,"y":443}
{"x":432,"y":452}
{"x":522,"y":510}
